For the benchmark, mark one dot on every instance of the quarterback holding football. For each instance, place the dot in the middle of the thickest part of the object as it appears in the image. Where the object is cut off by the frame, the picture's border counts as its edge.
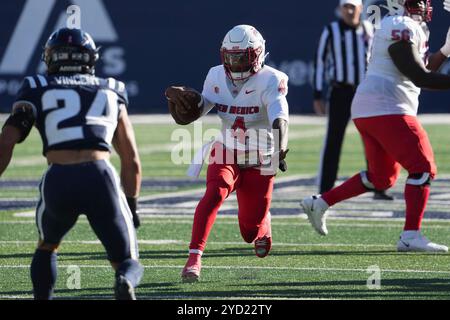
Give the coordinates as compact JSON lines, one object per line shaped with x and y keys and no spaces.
{"x":250,"y":99}
{"x":384,"y":111}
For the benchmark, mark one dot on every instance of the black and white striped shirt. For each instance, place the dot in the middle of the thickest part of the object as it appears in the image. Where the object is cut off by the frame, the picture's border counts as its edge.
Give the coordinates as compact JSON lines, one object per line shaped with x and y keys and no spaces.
{"x":342,"y":55}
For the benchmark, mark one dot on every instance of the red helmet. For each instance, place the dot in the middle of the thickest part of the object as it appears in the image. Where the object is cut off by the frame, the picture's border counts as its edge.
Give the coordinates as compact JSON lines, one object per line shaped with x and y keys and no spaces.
{"x":422,"y":8}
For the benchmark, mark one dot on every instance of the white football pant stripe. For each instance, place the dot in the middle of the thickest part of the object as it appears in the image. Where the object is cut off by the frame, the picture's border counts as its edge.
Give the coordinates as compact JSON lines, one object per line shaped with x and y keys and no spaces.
{"x":41,"y":208}
{"x":127,"y":215}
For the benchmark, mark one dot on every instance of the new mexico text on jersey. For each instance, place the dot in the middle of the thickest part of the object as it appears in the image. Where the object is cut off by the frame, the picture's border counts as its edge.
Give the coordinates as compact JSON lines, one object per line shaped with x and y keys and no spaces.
{"x":260,"y":100}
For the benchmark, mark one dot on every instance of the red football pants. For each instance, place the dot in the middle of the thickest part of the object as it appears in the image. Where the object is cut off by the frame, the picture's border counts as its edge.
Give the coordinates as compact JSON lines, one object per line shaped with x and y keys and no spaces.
{"x":254,"y":195}
{"x":392,"y":142}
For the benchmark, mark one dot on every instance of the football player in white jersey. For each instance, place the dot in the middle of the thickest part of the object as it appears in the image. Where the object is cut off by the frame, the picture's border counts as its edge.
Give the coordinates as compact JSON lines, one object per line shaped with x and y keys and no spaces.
{"x":250,"y":99}
{"x":384,"y":111}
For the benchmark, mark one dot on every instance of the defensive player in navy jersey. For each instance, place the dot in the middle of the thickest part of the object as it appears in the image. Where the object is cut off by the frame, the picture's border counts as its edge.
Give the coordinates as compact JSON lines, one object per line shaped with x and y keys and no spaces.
{"x":79,"y":118}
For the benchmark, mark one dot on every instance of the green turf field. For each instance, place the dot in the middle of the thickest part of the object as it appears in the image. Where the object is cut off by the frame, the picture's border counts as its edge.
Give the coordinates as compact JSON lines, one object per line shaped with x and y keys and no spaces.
{"x":302,"y":265}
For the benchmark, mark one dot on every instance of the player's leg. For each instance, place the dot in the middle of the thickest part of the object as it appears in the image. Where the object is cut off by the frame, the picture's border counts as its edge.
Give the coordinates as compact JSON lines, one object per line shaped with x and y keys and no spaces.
{"x":54,"y":218}
{"x":382,"y":174}
{"x":111,"y":219}
{"x":254,"y":195}
{"x":380,"y":194}
{"x":413,"y":151}
{"x":220,"y":182}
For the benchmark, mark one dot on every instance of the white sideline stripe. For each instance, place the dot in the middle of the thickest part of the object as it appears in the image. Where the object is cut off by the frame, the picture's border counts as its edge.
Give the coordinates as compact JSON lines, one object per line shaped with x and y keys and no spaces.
{"x":248,"y":268}
{"x":201,"y":190}
{"x":293,"y":119}
{"x":148,"y":149}
{"x":29,"y":161}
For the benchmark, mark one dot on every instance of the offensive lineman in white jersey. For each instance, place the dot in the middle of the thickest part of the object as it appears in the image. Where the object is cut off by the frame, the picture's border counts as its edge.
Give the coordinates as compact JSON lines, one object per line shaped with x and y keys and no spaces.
{"x":384,"y":111}
{"x":250,"y":99}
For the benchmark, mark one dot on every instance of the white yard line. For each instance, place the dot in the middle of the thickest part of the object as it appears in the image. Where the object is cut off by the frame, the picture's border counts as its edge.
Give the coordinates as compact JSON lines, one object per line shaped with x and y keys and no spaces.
{"x":167,"y":297}
{"x":293,"y":119}
{"x":362,"y":269}
{"x":218,"y":243}
{"x":149,"y":221}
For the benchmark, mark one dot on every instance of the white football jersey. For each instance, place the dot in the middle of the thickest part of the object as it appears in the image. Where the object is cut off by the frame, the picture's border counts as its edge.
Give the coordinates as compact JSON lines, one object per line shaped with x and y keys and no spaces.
{"x":247,"y":117}
{"x":386,"y":90}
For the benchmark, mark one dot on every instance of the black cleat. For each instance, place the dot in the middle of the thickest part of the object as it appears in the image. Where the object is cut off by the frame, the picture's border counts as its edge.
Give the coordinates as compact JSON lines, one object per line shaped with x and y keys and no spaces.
{"x":123,"y":290}
{"x":382,"y":195}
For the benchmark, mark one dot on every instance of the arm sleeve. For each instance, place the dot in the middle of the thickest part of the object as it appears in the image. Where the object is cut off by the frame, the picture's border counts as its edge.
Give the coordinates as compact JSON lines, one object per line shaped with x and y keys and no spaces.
{"x":274,"y":98}
{"x":319,"y":63}
{"x":24,"y":112}
{"x":26,"y":96}
{"x":208,"y":94}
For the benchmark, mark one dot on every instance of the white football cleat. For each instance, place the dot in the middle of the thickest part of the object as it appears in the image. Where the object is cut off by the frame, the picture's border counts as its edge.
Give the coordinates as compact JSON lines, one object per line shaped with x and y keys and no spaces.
{"x":414,"y":241}
{"x":316,"y":209}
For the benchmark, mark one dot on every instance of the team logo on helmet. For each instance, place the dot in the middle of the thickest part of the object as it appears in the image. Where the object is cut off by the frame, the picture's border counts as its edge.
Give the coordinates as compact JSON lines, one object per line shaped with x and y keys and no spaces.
{"x":243,"y":52}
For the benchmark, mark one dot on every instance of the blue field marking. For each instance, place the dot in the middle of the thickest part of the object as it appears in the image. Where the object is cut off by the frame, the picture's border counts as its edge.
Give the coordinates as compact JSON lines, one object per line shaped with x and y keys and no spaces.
{"x":25,"y":184}
{"x":176,"y":198}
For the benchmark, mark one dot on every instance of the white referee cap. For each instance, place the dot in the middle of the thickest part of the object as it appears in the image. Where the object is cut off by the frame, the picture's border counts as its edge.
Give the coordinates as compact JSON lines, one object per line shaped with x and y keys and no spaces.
{"x":356,"y":3}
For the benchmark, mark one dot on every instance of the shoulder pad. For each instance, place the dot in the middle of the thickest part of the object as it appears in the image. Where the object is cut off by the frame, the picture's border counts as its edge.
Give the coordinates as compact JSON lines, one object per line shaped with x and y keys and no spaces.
{"x":119,"y":88}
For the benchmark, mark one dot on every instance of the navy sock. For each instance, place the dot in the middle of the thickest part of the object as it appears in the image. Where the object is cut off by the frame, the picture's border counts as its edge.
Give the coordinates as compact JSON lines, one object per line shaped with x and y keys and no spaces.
{"x":43,"y":274}
{"x":132,"y":270}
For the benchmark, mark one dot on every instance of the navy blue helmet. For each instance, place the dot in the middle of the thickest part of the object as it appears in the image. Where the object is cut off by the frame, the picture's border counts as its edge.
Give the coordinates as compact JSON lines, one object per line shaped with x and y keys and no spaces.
{"x":70,"y":51}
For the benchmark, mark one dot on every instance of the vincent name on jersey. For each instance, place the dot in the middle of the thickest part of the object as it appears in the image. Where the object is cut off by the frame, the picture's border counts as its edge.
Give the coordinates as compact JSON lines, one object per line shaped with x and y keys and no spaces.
{"x":77,"y":81}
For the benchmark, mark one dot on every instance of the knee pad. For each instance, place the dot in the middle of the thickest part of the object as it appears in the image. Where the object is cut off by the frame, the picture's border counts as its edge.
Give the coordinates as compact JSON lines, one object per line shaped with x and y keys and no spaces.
{"x":419,"y":179}
{"x":378,"y":183}
{"x":366,"y":182}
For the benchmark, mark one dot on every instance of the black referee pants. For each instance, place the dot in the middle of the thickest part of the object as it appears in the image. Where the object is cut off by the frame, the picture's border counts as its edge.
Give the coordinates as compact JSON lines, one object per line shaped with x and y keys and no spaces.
{"x":339,"y":114}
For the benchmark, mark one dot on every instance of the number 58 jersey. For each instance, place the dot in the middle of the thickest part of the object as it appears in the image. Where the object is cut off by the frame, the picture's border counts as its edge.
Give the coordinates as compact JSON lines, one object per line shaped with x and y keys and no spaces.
{"x":385,"y":90}
{"x":74,"y":112}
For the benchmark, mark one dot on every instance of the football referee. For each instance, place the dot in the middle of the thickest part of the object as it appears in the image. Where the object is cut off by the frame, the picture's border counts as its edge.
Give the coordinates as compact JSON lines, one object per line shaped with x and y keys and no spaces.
{"x":341,"y":62}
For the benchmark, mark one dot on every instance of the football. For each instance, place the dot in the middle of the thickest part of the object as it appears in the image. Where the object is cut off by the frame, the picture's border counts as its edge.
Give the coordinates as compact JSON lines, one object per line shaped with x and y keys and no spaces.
{"x":184,"y":104}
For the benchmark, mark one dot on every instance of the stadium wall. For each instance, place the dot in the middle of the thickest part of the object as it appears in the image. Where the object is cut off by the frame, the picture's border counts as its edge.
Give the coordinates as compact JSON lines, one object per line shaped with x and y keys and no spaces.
{"x":153,"y":44}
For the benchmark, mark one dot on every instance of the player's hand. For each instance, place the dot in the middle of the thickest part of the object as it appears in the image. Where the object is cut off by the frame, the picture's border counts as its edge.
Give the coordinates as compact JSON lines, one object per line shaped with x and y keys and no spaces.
{"x":446,"y":48}
{"x":283,"y":165}
{"x":320,"y":107}
{"x":182,"y":97}
{"x":132,"y":204}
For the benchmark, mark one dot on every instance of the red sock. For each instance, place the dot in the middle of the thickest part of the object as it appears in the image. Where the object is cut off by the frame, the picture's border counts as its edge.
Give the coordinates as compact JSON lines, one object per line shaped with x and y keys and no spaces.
{"x":266,"y":229}
{"x":205,"y":215}
{"x":349,"y":189}
{"x":416,"y":198}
